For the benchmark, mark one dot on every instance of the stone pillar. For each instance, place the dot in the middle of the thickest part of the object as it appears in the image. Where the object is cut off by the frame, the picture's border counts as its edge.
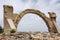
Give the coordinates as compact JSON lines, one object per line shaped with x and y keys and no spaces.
{"x":52,"y":16}
{"x":8,"y":10}
{"x":53,"y":20}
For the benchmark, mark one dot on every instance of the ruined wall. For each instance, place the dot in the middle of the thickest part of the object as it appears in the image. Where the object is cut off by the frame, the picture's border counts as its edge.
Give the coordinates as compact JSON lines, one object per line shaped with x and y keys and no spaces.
{"x":8,"y":14}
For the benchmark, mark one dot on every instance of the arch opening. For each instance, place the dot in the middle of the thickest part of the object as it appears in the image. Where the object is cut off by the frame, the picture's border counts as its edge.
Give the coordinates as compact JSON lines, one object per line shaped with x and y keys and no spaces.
{"x":32,"y":23}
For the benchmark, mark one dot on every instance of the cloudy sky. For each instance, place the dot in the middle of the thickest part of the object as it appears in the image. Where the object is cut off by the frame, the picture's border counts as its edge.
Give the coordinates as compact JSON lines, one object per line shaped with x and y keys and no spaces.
{"x":32,"y":22}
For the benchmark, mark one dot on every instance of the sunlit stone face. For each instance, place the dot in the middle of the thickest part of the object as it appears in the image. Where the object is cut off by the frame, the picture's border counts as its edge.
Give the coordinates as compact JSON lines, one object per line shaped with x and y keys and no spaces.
{"x":10,"y":22}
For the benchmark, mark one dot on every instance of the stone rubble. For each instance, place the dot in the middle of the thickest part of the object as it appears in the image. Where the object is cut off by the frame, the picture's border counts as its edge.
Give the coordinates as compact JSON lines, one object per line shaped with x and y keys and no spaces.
{"x":28,"y":36}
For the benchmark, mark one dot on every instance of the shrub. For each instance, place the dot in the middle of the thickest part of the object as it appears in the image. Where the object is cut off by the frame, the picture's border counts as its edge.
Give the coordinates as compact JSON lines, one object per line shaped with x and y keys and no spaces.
{"x":1,"y":30}
{"x":13,"y":31}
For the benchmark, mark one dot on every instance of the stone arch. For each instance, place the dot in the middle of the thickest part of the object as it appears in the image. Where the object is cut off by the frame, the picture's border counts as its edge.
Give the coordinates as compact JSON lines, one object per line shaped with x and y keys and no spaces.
{"x":42,"y":15}
{"x":50,"y":22}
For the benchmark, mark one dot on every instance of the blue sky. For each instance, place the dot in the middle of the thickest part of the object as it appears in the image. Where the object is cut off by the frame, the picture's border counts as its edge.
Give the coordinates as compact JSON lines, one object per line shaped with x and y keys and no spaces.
{"x":32,"y":22}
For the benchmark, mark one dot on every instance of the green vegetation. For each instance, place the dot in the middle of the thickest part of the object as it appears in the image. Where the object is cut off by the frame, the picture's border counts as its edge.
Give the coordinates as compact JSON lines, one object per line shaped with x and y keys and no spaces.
{"x":1,"y":30}
{"x":13,"y":31}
